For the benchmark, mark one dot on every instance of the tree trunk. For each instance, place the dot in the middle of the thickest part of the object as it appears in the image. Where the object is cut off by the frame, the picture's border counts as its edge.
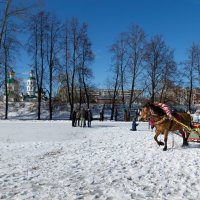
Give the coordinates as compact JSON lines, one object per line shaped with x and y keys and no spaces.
{"x":39,"y":103}
{"x":50,"y":99}
{"x":6,"y":89}
{"x":50,"y":80}
{"x":131,"y":98}
{"x":73,"y":74}
{"x":86,"y":93}
{"x":190,"y":93}
{"x":4,"y":20}
{"x":6,"y":76}
{"x":114,"y":97}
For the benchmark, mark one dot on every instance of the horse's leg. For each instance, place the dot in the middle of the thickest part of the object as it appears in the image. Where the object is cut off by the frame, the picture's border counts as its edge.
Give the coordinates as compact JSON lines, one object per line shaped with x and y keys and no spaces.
{"x":187,"y":136}
{"x":183,"y":132}
{"x":156,"y":138}
{"x":165,"y":139}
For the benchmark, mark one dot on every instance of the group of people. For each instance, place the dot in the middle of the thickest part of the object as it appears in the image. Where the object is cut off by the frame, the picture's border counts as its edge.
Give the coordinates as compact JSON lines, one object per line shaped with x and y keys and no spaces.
{"x":81,"y":117}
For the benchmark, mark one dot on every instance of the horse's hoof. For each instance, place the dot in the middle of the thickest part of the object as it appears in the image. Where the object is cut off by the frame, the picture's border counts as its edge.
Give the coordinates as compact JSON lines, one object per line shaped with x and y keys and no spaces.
{"x":161,"y":143}
{"x":165,"y":149}
{"x":185,"y":144}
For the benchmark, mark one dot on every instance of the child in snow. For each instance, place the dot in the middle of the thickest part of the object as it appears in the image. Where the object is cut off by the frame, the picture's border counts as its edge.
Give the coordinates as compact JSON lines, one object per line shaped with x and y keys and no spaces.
{"x":134,"y":125}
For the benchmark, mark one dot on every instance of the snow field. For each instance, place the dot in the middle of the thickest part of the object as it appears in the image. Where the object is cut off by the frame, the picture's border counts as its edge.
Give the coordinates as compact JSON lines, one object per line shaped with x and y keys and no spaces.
{"x":52,"y":160}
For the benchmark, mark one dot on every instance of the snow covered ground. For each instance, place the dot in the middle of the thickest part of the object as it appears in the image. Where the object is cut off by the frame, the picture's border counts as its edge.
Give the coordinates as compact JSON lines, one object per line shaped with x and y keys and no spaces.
{"x":52,"y":160}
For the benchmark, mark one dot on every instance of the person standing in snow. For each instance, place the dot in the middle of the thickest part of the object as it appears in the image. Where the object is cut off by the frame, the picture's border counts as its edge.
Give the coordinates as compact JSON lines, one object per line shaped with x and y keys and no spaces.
{"x":78,"y":117}
{"x":74,"y":118}
{"x":89,"y":117}
{"x":83,"y":117}
{"x":101,"y":115}
{"x":116,"y":114}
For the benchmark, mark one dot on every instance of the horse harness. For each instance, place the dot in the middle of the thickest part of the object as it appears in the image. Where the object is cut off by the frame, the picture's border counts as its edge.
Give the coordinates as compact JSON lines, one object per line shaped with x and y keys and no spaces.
{"x":159,"y":121}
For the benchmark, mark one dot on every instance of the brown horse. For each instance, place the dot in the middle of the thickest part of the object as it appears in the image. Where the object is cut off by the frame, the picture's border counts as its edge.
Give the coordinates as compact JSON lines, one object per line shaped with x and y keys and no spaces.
{"x":164,"y":125}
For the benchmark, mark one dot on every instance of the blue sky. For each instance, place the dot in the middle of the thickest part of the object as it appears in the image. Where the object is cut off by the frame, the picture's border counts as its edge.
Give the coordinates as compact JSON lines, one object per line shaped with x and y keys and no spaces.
{"x":177,"y":20}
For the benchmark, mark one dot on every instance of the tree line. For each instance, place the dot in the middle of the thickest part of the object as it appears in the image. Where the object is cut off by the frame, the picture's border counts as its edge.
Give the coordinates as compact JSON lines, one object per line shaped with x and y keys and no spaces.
{"x":149,"y":64}
{"x":61,"y":53}
{"x":61,"y":57}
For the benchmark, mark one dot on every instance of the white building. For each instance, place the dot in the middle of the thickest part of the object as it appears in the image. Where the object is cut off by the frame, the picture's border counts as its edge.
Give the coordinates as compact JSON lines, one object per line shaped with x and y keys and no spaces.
{"x":31,"y":94}
{"x":31,"y":85}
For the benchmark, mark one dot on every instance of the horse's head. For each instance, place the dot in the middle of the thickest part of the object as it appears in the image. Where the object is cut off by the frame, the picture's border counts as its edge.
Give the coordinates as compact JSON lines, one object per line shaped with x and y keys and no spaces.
{"x":150,"y":109}
{"x":144,"y":113}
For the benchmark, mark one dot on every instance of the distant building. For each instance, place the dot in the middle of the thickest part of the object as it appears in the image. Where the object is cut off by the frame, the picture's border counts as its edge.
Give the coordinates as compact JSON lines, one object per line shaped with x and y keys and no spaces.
{"x":180,"y":95}
{"x":105,"y":96}
{"x":196,"y":96}
{"x":13,"y":87}
{"x":174,"y":95}
{"x":31,"y":94}
{"x":31,"y":84}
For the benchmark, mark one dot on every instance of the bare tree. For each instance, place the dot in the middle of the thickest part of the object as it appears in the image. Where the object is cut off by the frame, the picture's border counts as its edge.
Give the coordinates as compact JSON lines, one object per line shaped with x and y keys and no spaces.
{"x":124,"y":59}
{"x":168,"y":77}
{"x":120,"y":61}
{"x":77,"y":58}
{"x":10,"y":49}
{"x":53,"y":36}
{"x":156,"y":53}
{"x":136,"y":41}
{"x":4,"y":20}
{"x":116,"y":88}
{"x":191,"y":66}
{"x":14,"y":10}
{"x":196,"y":48}
{"x":65,"y":76}
{"x":128,"y":56}
{"x":87,"y":56}
{"x":6,"y":57}
{"x":12,"y":13}
{"x":75,"y":41}
{"x":37,"y":48}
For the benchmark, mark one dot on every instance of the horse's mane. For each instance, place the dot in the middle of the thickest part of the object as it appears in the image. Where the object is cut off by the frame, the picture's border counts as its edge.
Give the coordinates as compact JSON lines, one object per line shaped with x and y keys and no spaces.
{"x":155,"y":109}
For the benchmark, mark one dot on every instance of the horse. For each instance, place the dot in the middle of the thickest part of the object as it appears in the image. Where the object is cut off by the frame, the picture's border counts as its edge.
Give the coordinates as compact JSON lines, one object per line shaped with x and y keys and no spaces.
{"x":164,"y":125}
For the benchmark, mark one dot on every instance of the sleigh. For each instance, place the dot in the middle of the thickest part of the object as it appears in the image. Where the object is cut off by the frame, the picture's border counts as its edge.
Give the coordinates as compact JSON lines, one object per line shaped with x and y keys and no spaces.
{"x":195,"y":133}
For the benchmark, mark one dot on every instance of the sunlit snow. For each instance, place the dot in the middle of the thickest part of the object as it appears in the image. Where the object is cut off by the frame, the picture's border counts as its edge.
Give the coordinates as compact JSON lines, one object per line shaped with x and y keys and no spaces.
{"x":53,"y":160}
